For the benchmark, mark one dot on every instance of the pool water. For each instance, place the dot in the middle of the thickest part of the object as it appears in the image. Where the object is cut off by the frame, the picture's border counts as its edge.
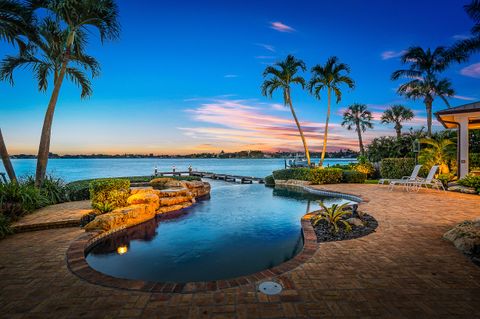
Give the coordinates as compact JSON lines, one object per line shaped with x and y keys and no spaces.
{"x":241,"y":229}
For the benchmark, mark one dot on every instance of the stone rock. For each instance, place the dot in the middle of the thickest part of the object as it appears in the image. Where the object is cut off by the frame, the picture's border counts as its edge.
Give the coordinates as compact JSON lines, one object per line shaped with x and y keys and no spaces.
{"x":173,"y":192}
{"x":198,"y":188}
{"x":465,"y":236}
{"x":167,"y":209}
{"x":142,"y":190}
{"x":292,"y":182}
{"x":107,"y":221}
{"x":355,"y":222}
{"x":462,"y":189}
{"x":169,"y":201}
{"x":144,"y":198}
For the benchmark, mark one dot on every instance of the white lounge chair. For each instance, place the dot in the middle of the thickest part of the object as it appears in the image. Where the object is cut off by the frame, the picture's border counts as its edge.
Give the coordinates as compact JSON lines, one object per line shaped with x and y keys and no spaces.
{"x":429,"y":181}
{"x":405,"y":180}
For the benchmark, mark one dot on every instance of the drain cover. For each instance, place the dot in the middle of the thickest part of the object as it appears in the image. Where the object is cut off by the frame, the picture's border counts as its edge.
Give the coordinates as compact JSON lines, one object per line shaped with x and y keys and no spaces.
{"x":270,"y":288}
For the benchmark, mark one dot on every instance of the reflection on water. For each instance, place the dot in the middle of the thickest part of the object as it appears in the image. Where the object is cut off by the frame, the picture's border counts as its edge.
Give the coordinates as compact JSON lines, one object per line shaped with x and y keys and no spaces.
{"x":242,"y":229}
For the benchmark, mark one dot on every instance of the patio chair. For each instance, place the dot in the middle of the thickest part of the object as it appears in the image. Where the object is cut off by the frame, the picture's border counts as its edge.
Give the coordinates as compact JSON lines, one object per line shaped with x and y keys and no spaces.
{"x":405,"y":180}
{"x":430,"y":180}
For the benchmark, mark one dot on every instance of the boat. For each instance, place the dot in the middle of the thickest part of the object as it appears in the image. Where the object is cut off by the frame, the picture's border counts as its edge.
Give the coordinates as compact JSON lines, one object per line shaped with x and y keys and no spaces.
{"x":297,"y":161}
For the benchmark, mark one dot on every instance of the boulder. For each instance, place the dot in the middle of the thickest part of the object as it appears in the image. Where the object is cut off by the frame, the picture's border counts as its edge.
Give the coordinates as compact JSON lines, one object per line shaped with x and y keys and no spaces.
{"x":355,"y":222}
{"x":168,"y":201}
{"x":144,"y":198}
{"x":167,"y":209}
{"x":465,"y":236}
{"x":462,"y":189}
{"x":174,"y":192}
{"x":107,"y":221}
{"x":292,"y":182}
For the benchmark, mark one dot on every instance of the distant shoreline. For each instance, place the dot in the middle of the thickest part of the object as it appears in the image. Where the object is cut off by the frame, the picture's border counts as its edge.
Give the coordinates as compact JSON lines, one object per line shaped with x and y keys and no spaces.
{"x":195,"y":158}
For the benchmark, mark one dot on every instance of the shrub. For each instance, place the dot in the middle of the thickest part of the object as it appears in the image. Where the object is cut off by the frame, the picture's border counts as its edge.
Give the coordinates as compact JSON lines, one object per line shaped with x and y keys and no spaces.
{"x":325,"y":175}
{"x":474,"y":160}
{"x":302,"y":174}
{"x":353,"y":177}
{"x":333,"y":216}
{"x":79,"y":190}
{"x":17,"y":199}
{"x":269,"y":181}
{"x":470,"y":181}
{"x":103,"y":207}
{"x":446,"y":178}
{"x":394,"y":168}
{"x":113,"y":191}
{"x":4,"y":227}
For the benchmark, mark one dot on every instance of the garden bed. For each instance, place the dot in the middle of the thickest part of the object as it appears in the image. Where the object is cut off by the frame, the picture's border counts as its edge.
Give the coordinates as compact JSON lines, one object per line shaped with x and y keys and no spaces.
{"x":325,"y":234}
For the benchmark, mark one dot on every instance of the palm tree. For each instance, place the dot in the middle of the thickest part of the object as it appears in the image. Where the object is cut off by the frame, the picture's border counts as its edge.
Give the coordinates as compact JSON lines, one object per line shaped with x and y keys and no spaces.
{"x":16,"y":23}
{"x":359,"y":117}
{"x":65,"y":37}
{"x":440,"y":153}
{"x":16,"y":27}
{"x":281,"y":76}
{"x":330,"y":77}
{"x":470,"y":45}
{"x":424,"y":66}
{"x":396,"y":114}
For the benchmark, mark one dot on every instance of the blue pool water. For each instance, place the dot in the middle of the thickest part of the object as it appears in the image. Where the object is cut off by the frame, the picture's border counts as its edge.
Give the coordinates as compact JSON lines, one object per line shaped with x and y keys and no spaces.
{"x":241,"y":229}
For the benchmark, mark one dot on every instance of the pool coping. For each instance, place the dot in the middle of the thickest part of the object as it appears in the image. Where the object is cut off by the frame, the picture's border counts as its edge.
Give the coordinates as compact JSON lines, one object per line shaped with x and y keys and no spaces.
{"x":78,"y":265}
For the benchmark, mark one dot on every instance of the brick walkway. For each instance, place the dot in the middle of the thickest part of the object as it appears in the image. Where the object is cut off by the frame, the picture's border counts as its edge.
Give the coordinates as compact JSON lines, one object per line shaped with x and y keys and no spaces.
{"x":404,"y":270}
{"x":54,"y":216}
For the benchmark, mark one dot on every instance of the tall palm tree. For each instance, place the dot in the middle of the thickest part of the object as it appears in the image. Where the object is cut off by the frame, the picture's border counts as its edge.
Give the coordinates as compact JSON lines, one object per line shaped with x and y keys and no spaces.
{"x":470,"y":45}
{"x":396,"y":114}
{"x":16,"y":23}
{"x":357,"y":116}
{"x":329,"y":77}
{"x":281,"y":76}
{"x":422,"y":71}
{"x":74,"y":21}
{"x":16,"y":27}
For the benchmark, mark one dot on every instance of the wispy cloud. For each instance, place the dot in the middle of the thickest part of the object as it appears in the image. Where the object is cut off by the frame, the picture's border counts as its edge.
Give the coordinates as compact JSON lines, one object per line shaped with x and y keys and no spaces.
{"x":387,"y":55}
{"x":460,"y":36}
{"x":472,"y":70}
{"x":465,"y":98}
{"x":267,"y":47}
{"x":243,"y":124}
{"x":265,"y":57}
{"x":279,"y":26}
{"x":230,"y":76}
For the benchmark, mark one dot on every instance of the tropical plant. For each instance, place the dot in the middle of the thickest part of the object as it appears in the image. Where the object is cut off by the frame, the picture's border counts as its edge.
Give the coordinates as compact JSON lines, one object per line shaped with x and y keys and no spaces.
{"x":393,"y":147}
{"x":396,"y":168}
{"x":16,"y":23}
{"x":333,"y":216}
{"x":60,"y":52}
{"x":280,"y":77}
{"x":18,"y":199}
{"x":329,"y":77}
{"x":103,"y":208}
{"x":359,"y":117}
{"x":5,"y":229}
{"x":52,"y":189}
{"x":422,"y":71}
{"x":438,"y":152}
{"x":472,"y":44}
{"x":397,"y":114}
{"x":471,"y":181}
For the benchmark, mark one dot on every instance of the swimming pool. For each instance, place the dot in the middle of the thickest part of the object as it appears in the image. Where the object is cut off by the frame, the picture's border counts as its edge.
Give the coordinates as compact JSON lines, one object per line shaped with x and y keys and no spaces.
{"x":241,"y":229}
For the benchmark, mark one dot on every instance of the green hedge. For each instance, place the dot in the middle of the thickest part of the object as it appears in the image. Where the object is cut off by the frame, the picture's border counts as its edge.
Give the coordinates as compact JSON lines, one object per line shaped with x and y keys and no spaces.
{"x":474,"y":160}
{"x":113,"y":191}
{"x":326,"y":175}
{"x":269,"y":181}
{"x":354,"y":177}
{"x":394,"y":168}
{"x":471,"y":181}
{"x":302,"y":174}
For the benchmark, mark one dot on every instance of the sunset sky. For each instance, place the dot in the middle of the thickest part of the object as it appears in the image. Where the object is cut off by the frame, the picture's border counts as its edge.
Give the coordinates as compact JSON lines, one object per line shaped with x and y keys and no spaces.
{"x":185,"y":76}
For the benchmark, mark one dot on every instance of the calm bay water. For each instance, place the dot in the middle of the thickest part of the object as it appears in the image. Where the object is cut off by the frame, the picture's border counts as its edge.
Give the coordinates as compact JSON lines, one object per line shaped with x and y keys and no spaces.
{"x":76,"y":169}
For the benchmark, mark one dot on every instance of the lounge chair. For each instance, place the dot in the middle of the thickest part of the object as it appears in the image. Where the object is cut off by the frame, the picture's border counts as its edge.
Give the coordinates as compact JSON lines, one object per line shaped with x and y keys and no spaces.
{"x":429,"y":181}
{"x":405,"y":180}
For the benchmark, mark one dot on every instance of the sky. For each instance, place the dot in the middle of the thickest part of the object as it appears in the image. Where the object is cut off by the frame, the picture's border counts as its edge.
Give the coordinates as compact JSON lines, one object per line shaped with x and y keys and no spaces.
{"x":185,"y":76}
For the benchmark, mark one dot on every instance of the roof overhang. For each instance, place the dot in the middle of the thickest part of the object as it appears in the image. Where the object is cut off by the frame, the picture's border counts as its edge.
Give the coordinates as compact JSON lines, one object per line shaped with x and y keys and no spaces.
{"x":450,"y":118}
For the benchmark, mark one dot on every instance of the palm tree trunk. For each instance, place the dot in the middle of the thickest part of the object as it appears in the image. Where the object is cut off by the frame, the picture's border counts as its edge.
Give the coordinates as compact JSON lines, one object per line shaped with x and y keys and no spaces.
{"x":398,"y":129}
{"x":325,"y":134}
{"x":44,"y":147}
{"x":6,"y":159}
{"x":304,"y":141}
{"x":428,"y":106}
{"x":360,"y":141}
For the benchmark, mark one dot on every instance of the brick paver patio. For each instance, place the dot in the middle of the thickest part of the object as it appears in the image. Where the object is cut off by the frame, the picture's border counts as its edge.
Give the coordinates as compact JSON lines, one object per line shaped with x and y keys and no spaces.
{"x":404,"y":270}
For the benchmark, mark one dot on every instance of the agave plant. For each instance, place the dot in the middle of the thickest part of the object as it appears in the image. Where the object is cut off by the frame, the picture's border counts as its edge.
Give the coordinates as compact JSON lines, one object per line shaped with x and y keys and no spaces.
{"x":333,"y":216}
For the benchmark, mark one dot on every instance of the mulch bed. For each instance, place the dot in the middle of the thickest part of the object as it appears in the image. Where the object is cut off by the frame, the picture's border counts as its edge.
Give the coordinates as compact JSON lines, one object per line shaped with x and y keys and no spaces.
{"x":325,"y":234}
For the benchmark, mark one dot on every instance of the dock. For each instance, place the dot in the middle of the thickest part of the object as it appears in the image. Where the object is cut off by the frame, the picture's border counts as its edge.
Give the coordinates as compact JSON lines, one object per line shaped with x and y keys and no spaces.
{"x":224,"y":177}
